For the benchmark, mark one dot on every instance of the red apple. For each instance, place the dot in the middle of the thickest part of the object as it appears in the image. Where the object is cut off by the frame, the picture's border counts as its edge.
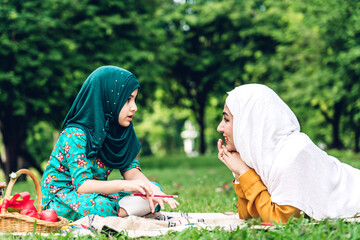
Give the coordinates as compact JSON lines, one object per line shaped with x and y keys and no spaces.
{"x":49,"y":215}
{"x":30,"y":213}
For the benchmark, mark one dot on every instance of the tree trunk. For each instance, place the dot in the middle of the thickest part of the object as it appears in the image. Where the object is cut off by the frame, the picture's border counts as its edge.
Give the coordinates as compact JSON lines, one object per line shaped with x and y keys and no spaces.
{"x":357,"y":138}
{"x":201,"y":121}
{"x":2,"y":166}
{"x":31,"y":161}
{"x":13,"y":129}
{"x":202,"y":134}
{"x":336,"y":141}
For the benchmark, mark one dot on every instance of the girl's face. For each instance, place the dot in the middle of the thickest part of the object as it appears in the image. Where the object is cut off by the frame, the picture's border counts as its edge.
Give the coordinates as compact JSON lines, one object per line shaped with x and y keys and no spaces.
{"x":226,"y":128}
{"x":128,"y":110}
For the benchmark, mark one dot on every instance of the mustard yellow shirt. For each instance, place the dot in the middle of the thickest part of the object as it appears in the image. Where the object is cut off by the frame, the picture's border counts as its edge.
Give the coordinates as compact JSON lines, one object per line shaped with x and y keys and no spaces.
{"x":255,"y":200}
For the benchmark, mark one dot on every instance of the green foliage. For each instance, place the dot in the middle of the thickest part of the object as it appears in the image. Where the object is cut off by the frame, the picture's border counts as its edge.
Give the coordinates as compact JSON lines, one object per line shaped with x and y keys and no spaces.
{"x":159,"y":129}
{"x":47,"y":50}
{"x":41,"y":138}
{"x":320,"y":66}
{"x":187,"y":55}
{"x":33,"y":77}
{"x":195,"y":51}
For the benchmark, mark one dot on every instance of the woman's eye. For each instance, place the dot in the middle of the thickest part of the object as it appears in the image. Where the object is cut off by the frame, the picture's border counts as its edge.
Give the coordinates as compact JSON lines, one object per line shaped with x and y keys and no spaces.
{"x":226,"y":120}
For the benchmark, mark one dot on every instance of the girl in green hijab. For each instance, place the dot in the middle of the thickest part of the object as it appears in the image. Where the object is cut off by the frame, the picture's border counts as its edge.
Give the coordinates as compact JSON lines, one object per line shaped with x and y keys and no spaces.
{"x":97,"y":136}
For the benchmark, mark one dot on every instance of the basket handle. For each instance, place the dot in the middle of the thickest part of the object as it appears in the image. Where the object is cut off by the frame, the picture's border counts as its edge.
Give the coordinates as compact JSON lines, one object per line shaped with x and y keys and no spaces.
{"x":12,"y":182}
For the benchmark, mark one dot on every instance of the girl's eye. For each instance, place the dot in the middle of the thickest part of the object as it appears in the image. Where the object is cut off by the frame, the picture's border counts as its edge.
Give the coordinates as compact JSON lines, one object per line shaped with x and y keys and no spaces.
{"x":226,"y":120}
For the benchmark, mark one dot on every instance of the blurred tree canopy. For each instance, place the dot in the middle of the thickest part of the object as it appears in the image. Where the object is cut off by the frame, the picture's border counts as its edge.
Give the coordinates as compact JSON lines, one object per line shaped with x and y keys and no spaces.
{"x":186,"y":54}
{"x":321,"y":61}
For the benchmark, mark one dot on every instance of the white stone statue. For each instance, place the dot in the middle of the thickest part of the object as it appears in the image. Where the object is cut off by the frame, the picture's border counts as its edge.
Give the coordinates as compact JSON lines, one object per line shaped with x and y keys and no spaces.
{"x":189,"y":135}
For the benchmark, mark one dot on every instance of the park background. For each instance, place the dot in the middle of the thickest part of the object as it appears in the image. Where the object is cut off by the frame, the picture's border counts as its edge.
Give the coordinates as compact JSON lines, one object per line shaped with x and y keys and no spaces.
{"x":186,"y":54}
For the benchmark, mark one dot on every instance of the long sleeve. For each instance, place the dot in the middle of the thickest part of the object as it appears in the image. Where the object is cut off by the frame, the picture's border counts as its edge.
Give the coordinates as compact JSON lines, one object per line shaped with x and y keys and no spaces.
{"x":242,"y":202}
{"x":255,"y":201}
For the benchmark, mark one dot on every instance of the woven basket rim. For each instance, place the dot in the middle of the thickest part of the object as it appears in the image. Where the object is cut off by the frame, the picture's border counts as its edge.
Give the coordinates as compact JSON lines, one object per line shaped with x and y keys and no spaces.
{"x":25,"y":219}
{"x":15,"y":215}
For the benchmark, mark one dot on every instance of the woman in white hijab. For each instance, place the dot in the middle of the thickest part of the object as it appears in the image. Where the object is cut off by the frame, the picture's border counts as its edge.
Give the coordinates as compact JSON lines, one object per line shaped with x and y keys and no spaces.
{"x":278,"y":170}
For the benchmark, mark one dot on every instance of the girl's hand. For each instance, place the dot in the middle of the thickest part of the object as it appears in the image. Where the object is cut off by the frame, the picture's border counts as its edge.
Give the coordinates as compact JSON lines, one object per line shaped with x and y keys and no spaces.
{"x":150,"y":189}
{"x":232,"y":160}
{"x":136,"y":186}
{"x":171,"y":201}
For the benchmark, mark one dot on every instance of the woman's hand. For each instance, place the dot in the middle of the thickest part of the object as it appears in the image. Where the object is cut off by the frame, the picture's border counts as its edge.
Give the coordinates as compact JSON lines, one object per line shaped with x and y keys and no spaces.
{"x":232,"y":160}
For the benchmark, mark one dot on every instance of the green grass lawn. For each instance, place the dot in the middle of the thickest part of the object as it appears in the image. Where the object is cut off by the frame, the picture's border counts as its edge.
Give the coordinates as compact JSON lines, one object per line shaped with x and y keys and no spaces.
{"x":204,"y":185}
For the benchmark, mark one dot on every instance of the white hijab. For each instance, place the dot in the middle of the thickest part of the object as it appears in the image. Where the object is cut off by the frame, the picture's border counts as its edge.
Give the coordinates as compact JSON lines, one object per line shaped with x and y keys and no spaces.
{"x":295,"y":171}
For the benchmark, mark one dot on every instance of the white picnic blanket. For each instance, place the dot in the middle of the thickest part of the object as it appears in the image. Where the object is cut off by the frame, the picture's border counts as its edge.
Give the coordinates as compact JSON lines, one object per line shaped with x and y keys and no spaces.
{"x":161,"y":223}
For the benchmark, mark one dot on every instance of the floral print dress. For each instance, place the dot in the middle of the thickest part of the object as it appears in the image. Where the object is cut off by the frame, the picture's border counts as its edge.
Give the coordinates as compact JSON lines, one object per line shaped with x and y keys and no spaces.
{"x":67,"y":168}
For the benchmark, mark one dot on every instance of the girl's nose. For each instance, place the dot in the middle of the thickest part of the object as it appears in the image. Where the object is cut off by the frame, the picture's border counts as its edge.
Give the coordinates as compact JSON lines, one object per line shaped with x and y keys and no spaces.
{"x":134,"y":107}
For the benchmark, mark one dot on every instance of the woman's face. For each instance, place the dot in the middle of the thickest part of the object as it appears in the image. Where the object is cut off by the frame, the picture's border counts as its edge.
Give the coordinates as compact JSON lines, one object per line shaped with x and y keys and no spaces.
{"x":128,"y":110}
{"x":226,"y":128}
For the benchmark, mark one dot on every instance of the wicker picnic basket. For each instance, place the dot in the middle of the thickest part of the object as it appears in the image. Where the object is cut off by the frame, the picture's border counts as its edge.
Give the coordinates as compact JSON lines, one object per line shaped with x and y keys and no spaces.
{"x":16,"y":222}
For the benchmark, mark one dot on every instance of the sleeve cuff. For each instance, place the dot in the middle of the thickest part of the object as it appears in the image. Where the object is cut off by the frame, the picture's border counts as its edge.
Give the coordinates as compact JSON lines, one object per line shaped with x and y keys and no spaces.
{"x":238,"y":190}
{"x":248,"y":179}
{"x":235,"y":181}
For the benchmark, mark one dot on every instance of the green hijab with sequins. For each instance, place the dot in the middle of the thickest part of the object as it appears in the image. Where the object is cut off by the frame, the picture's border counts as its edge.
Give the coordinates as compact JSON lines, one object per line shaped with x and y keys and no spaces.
{"x":96,"y":110}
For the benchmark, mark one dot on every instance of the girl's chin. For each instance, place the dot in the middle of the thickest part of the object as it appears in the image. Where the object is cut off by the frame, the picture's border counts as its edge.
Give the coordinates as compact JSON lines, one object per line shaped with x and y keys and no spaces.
{"x":124,"y":124}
